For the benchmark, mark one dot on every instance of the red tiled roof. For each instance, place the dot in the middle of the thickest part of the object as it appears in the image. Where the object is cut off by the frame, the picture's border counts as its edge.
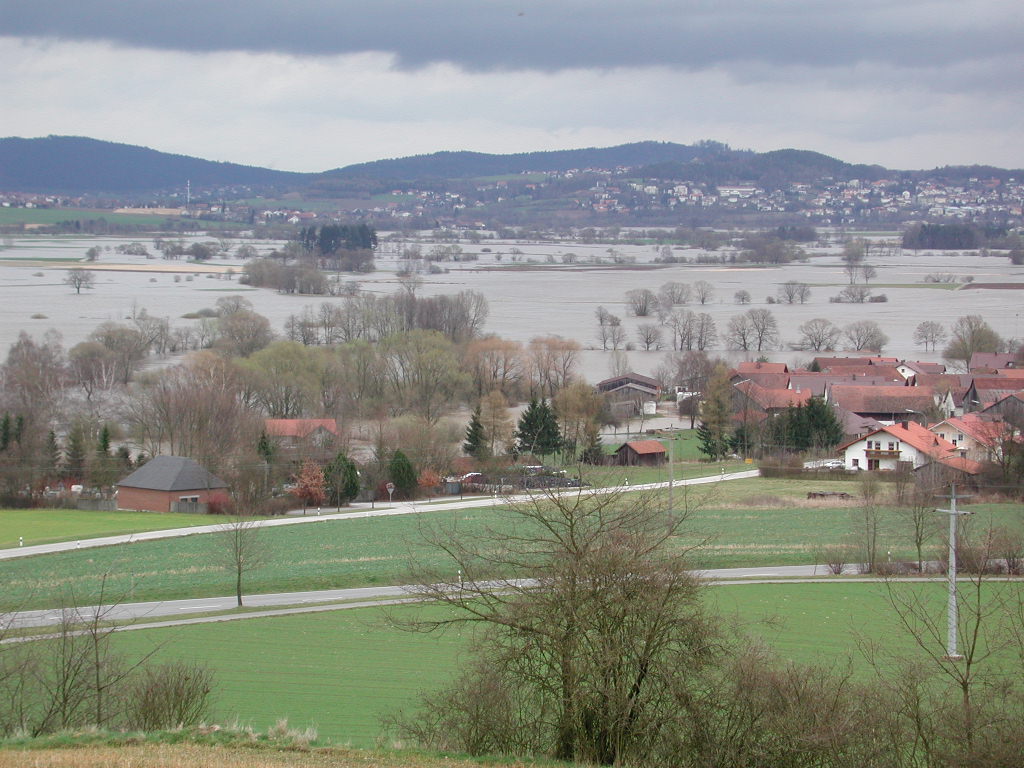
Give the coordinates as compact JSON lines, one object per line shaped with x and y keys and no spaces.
{"x":992,"y":360}
{"x":766,"y":380}
{"x":969,"y":466}
{"x":877,"y":371}
{"x":758,"y":367}
{"x":883,"y":399}
{"x":914,"y":435}
{"x":919,"y":367}
{"x":830,"y":362}
{"x":299,"y":427}
{"x":773,"y":398}
{"x":984,"y":431}
{"x":645,"y":446}
{"x":1011,"y":383}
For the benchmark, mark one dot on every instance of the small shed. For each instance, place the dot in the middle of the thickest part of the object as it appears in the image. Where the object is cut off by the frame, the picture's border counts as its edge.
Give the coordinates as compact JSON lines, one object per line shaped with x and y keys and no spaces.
{"x":642,"y":453}
{"x":164,"y":480}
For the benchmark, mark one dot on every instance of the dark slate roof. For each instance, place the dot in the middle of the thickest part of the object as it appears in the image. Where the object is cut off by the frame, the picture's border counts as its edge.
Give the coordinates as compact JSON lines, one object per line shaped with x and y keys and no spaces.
{"x":172,"y":473}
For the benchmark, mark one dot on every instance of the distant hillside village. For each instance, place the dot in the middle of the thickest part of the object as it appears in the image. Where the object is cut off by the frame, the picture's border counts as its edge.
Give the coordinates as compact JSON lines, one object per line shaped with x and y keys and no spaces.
{"x":597,"y":196}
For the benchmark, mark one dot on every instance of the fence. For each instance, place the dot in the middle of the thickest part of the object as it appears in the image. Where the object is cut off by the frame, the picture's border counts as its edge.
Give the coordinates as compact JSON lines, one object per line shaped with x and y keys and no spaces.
{"x":96,"y":505}
{"x":189,"y":507}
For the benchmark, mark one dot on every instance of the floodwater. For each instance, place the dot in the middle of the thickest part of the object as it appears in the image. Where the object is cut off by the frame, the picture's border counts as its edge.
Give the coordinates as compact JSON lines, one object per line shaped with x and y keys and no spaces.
{"x":526,"y":299}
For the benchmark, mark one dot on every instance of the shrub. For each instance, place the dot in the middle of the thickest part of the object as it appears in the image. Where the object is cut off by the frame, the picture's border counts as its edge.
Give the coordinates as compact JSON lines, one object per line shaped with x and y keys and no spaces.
{"x":168,"y":696}
{"x":220,"y":507}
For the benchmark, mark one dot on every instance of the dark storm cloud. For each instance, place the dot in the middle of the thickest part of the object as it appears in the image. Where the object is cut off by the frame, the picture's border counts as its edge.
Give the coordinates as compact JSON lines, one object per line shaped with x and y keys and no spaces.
{"x":546,"y":34}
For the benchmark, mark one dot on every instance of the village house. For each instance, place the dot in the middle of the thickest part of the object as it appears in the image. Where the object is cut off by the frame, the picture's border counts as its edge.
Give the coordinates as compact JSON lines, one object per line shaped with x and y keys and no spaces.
{"x":975,"y":437}
{"x":886,"y":404}
{"x":903,"y":446}
{"x":164,"y":482}
{"x":986,"y":390}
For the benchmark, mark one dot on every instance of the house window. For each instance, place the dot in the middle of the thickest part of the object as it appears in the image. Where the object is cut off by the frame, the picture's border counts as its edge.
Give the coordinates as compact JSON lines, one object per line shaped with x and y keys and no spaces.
{"x":959,"y":437}
{"x":192,"y":499}
{"x":873,"y":464}
{"x":856,"y":463}
{"x":892,"y":446}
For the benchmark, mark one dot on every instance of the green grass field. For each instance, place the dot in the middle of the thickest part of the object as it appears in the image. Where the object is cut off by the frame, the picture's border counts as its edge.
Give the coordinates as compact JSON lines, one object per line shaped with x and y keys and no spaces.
{"x":49,"y":216}
{"x":340,"y":671}
{"x":748,"y":523}
{"x":43,"y":526}
{"x":343,"y":670}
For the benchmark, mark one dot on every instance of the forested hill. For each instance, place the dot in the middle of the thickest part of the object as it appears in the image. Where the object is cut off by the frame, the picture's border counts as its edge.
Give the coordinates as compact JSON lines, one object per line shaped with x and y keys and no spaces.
{"x":466,"y":165}
{"x":78,"y":165}
{"x":770,"y":169}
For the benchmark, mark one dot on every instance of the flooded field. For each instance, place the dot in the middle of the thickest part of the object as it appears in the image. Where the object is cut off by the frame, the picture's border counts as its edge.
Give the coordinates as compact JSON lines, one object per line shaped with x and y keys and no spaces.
{"x":528,"y":298}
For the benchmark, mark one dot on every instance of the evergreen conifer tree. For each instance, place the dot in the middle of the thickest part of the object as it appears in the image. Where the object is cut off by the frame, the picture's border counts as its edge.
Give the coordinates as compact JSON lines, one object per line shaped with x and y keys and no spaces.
{"x":593,"y":450}
{"x":52,"y":456}
{"x":403,"y":475}
{"x":342,"y":480}
{"x":549,"y":436}
{"x":526,"y":429}
{"x":476,"y":443}
{"x":538,"y":431}
{"x":75,"y":453}
{"x":716,"y":416}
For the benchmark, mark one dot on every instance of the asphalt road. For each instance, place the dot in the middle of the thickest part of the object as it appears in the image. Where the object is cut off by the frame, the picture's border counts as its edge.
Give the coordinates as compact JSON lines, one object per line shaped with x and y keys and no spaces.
{"x":355,"y":511}
{"x":177,"y":611}
{"x":174,"y":612}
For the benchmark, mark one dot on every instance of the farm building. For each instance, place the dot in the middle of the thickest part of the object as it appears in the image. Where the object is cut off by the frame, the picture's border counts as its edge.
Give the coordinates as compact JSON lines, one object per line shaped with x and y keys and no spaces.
{"x":642,"y":453}
{"x":166,"y":480}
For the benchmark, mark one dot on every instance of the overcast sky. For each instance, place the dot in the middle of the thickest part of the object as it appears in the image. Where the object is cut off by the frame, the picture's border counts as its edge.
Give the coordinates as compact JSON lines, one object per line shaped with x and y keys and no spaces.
{"x":309,"y":85}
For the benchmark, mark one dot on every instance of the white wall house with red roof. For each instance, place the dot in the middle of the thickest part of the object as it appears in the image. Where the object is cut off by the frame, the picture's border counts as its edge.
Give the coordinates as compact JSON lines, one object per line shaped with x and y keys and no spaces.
{"x":903,"y":445}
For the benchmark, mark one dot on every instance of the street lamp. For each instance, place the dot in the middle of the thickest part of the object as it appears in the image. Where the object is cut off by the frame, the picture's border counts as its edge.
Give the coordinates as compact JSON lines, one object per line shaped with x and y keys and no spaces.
{"x":954,"y":513}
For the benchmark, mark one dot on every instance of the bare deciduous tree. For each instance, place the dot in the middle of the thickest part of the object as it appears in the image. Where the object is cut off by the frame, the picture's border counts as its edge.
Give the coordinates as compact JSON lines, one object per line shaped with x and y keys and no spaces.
{"x":703,"y":291}
{"x":649,"y":335}
{"x":819,"y":334}
{"x":591,"y":623}
{"x":241,"y":549}
{"x":930,"y":334}
{"x":865,"y":334}
{"x":79,"y":278}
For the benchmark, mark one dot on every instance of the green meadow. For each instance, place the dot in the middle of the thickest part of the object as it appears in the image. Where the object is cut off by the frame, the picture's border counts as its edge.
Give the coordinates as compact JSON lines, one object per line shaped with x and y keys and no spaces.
{"x":740,"y":523}
{"x":343,"y":670}
{"x":44,"y":526}
{"x":50,"y":216}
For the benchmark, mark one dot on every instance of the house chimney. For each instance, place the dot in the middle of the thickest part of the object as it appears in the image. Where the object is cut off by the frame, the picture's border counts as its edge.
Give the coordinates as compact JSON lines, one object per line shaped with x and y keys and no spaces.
{"x":905,"y":424}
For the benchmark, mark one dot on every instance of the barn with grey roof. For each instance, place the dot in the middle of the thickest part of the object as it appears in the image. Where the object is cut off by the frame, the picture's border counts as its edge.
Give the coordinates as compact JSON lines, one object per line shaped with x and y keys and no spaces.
{"x":165,"y":480}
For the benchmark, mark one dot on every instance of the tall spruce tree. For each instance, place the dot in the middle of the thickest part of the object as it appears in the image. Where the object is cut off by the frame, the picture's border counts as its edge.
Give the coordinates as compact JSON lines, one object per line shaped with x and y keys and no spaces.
{"x":342,"y":480}
{"x":716,"y":416}
{"x":403,"y":475}
{"x":476,"y":439}
{"x":549,"y":436}
{"x":537,"y":431}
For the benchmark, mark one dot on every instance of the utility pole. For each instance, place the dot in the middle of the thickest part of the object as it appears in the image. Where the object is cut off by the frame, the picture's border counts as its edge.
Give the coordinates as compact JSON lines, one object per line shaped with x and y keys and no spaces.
{"x":671,"y":474}
{"x":953,"y":616}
